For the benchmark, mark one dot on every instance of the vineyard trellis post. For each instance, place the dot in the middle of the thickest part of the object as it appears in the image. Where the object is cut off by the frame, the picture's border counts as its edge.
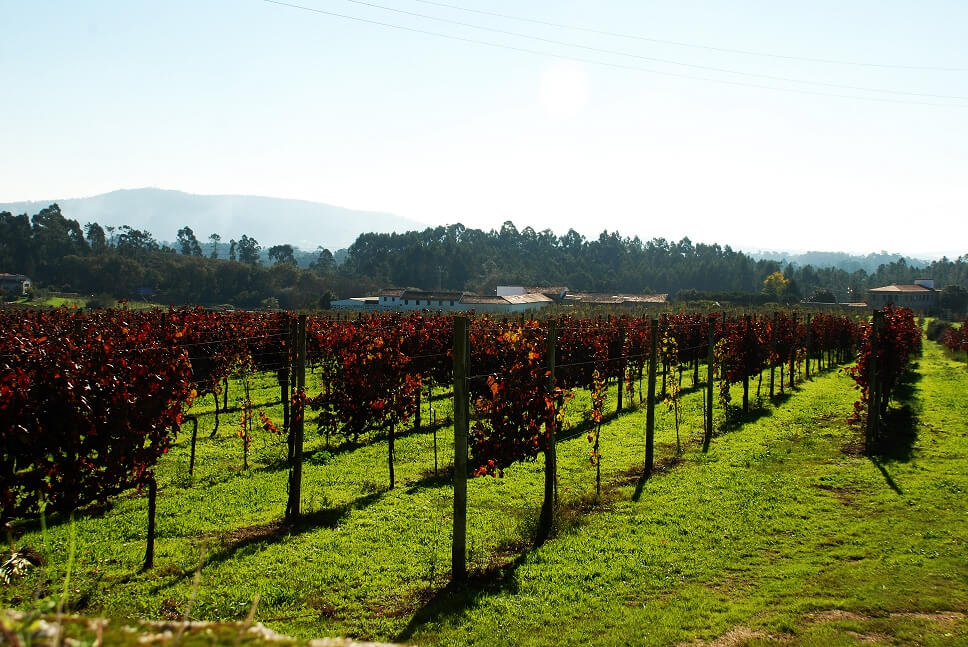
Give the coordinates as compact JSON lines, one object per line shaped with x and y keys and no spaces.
{"x":621,"y":368}
{"x":773,"y":356}
{"x":808,"y":347}
{"x":747,"y":332}
{"x":650,"y":400}
{"x":459,"y":543}
{"x":710,"y":353}
{"x":296,"y":427}
{"x":285,"y":374}
{"x":150,"y":548}
{"x":551,"y":458}
{"x":191,"y":458}
{"x":874,"y":385}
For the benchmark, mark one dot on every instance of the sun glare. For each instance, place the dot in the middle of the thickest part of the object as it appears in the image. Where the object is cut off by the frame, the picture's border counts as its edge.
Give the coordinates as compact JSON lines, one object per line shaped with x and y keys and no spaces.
{"x":563,"y":89}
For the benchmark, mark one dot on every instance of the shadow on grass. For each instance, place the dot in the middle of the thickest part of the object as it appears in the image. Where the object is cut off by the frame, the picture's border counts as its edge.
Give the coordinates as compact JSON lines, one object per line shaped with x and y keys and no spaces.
{"x":887,"y":476}
{"x":639,"y":476}
{"x":235,"y":541}
{"x":456,"y":598}
{"x":348,"y":446}
{"x":499,"y":576}
{"x":736,"y":418}
{"x":588,"y":425}
{"x":780,"y":399}
{"x":428,"y":479}
{"x":898,"y":435}
{"x":899,"y":430}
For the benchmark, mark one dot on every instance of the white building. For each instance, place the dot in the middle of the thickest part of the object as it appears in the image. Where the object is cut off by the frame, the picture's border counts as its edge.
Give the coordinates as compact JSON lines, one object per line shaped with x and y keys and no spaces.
{"x":14,"y":284}
{"x":445,"y":301}
{"x":357,"y":303}
{"x":920,"y":297}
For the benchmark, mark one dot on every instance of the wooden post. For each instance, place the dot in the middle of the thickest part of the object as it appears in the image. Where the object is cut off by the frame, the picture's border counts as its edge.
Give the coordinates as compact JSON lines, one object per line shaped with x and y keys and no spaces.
{"x":793,"y":352}
{"x":390,"y":442}
{"x":710,"y":353}
{"x":283,"y":374}
{"x":551,"y":458}
{"x":416,"y":415}
{"x":246,"y":423}
{"x":191,"y":460}
{"x":772,"y":354}
{"x":150,"y":549}
{"x":296,"y":427}
{"x":433,"y":419}
{"x":808,"y":347}
{"x":621,"y":369}
{"x":461,"y":427}
{"x":650,"y":400}
{"x":746,"y":379}
{"x":874,"y":386}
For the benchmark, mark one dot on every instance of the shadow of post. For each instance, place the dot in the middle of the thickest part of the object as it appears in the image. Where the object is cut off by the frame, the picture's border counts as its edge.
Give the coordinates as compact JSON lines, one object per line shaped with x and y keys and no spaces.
{"x":899,"y":429}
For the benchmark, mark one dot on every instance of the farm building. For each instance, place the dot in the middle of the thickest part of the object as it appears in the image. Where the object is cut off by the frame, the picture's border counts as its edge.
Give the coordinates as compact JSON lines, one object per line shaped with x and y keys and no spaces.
{"x":412,"y":299}
{"x":427,"y":300}
{"x":506,"y":303}
{"x":14,"y":284}
{"x":626,"y":300}
{"x":555,"y":293}
{"x":920,"y":297}
{"x":356,"y":303}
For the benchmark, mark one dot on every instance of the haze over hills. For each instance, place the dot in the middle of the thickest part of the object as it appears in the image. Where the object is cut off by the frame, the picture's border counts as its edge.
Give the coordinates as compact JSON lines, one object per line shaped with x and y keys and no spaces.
{"x":271,"y":221}
{"x":306,"y":225}
{"x":840,"y":260}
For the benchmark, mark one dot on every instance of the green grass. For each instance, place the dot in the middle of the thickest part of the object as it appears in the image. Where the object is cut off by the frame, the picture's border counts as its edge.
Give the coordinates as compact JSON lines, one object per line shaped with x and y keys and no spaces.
{"x":782,"y":532}
{"x":63,"y":302}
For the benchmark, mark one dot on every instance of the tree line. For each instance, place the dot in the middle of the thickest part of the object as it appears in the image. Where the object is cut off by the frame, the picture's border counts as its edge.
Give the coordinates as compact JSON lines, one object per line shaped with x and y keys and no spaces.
{"x":57,"y":252}
{"x":456,"y":257}
{"x":124,"y":262}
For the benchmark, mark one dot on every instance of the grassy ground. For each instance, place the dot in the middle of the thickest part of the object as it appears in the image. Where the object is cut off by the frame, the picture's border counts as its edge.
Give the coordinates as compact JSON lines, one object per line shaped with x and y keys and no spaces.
{"x":781,"y":533}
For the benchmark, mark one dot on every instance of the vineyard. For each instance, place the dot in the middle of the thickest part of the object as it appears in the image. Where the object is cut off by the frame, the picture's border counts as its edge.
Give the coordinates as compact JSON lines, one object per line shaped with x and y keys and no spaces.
{"x":96,"y":404}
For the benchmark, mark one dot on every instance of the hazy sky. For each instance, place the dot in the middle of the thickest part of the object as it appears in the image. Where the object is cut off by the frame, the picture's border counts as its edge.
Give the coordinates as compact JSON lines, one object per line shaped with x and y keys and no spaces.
{"x":247,"y":96}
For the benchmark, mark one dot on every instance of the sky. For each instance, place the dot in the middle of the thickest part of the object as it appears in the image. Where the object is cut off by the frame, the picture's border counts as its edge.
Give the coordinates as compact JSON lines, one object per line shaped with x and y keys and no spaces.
{"x":762,"y":124}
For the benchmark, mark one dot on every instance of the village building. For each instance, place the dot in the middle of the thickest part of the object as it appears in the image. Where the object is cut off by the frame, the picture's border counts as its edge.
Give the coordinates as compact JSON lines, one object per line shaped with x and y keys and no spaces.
{"x":17,"y":284}
{"x":625,"y":300}
{"x":445,"y":301}
{"x":356,"y":303}
{"x":920,"y":297}
{"x":555,"y":293}
{"x":507,"y":299}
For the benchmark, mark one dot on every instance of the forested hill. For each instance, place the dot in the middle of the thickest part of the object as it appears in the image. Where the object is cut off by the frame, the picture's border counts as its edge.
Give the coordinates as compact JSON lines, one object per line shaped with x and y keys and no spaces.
{"x":59,"y":254}
{"x":840,"y":260}
{"x":271,"y":220}
{"x":456,"y":257}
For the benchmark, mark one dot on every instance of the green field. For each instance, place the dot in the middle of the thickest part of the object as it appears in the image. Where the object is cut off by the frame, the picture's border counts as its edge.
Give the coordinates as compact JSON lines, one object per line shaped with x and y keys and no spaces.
{"x":781,"y":533}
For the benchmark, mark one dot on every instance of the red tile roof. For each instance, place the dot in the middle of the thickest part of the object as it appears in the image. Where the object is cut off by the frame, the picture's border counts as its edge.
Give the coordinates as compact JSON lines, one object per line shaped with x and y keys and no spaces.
{"x":902,"y":288}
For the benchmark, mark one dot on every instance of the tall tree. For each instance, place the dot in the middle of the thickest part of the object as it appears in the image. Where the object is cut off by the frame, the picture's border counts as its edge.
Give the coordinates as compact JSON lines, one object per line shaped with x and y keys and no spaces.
{"x":954,"y":298}
{"x":775,"y":286}
{"x":187,"y":242}
{"x":135,"y":241}
{"x":214,"y":239}
{"x":249,"y":249}
{"x":232,"y":246}
{"x":16,"y":244}
{"x":324,"y":262}
{"x":96,"y":237}
{"x":282,"y":254}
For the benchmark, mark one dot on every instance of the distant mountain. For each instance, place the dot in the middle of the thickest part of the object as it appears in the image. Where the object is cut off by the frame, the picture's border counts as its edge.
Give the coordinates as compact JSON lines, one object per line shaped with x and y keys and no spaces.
{"x":840,"y":260}
{"x":271,"y":221}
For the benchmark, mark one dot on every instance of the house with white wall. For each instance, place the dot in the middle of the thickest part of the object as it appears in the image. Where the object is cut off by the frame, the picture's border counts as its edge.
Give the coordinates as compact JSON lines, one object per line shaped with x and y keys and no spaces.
{"x":445,"y":301}
{"x":920,"y":297}
{"x":17,"y":284}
